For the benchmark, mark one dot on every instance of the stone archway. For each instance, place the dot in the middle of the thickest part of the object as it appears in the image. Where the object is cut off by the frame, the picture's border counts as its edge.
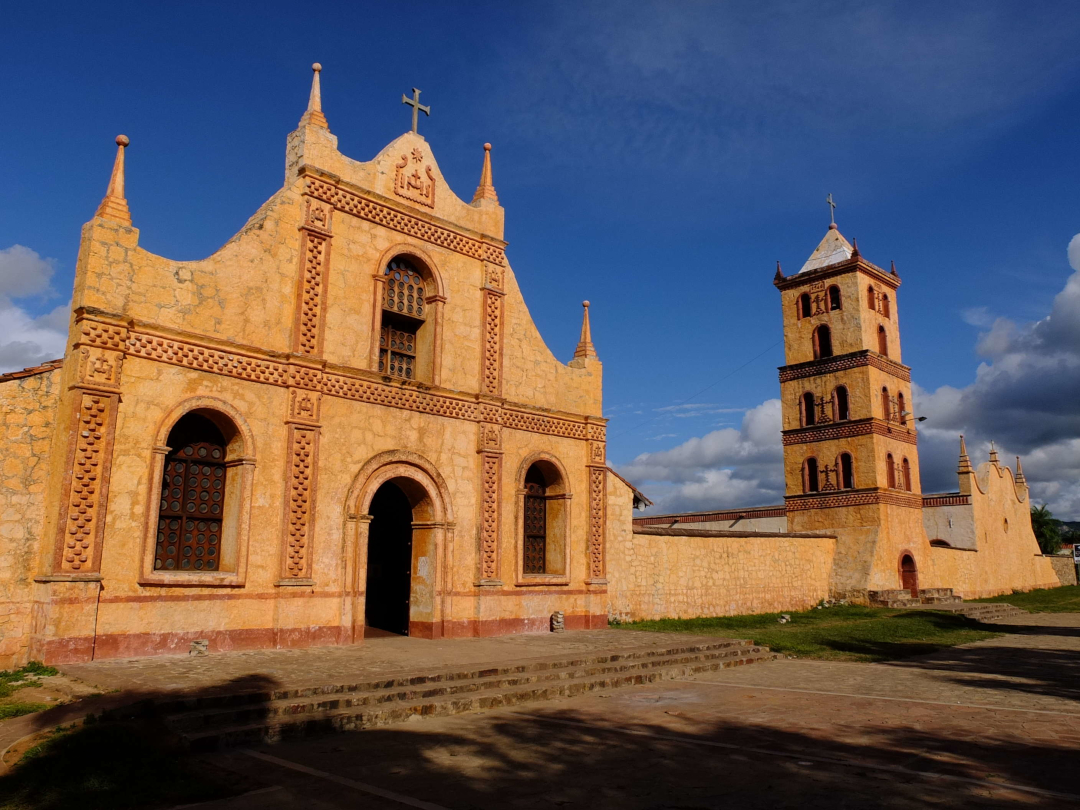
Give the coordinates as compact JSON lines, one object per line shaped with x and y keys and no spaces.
{"x":417,"y":486}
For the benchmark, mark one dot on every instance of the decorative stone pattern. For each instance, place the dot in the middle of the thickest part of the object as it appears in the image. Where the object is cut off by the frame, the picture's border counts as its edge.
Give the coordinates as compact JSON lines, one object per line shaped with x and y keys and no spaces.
{"x":543,"y":424}
{"x":312,"y":286}
{"x":388,"y":217}
{"x":597,"y":521}
{"x":416,"y":187}
{"x":85,"y":503}
{"x":946,"y":500}
{"x":100,"y":368}
{"x":491,"y":475}
{"x":798,"y":503}
{"x":802,"y":371}
{"x":204,"y":358}
{"x":491,"y":379}
{"x":303,"y":444}
{"x":842,"y":430}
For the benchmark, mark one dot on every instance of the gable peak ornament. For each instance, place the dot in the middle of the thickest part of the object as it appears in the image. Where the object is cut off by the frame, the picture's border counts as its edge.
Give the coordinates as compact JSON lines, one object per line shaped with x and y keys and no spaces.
{"x":832,"y":212}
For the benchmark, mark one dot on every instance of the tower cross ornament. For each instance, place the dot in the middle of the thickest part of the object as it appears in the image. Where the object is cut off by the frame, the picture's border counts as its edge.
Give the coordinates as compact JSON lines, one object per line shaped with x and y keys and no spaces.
{"x":829,"y":199}
{"x":417,"y":107}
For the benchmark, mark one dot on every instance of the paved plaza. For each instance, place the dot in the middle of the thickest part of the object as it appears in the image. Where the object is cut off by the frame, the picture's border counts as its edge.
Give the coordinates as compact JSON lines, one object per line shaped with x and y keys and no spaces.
{"x":991,"y":724}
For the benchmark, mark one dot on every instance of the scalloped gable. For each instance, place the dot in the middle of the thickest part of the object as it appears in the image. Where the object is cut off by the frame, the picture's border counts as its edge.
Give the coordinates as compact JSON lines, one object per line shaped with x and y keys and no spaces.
{"x":406,"y":173}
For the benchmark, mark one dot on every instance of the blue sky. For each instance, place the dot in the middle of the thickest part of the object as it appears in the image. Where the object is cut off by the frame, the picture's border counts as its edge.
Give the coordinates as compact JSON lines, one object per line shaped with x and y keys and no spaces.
{"x":655,"y":158}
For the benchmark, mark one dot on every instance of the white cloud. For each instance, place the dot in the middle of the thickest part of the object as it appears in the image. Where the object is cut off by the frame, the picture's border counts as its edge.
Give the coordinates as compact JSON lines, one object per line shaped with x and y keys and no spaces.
{"x":26,"y":340}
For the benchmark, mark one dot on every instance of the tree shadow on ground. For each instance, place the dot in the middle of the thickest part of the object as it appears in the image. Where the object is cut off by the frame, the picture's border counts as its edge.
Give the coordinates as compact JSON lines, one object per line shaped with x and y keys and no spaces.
{"x":544,"y":756}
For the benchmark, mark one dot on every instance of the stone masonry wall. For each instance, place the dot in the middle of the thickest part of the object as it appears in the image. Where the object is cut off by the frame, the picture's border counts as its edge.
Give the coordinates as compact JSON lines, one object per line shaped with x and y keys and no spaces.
{"x":28,"y":408}
{"x":1065,"y":569}
{"x":671,"y":573}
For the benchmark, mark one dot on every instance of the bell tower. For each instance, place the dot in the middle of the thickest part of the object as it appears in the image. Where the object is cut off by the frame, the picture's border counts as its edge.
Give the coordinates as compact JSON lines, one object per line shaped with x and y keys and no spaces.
{"x":850,"y":457}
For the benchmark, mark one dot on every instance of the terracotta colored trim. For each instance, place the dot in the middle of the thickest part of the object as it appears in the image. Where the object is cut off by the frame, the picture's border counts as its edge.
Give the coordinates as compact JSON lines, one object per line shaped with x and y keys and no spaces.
{"x":484,"y":248}
{"x":852,"y":497}
{"x":473,"y":628}
{"x":946,"y":500}
{"x":849,"y":429}
{"x":301,"y":489}
{"x":597,"y":524}
{"x":844,"y":362}
{"x":490,"y":518}
{"x":712,"y":517}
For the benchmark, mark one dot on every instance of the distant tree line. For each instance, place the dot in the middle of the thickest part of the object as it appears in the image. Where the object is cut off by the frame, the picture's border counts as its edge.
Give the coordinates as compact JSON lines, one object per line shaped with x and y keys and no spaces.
{"x":1052,"y":533}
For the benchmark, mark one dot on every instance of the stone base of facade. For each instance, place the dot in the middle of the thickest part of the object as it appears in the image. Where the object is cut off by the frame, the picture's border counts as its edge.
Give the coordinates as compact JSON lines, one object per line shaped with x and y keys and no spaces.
{"x":81,"y":649}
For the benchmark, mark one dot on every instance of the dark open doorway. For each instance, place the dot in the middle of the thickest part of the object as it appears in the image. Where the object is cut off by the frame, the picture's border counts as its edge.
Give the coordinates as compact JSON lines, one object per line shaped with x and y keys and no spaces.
{"x":909,"y":575}
{"x":389,"y":562}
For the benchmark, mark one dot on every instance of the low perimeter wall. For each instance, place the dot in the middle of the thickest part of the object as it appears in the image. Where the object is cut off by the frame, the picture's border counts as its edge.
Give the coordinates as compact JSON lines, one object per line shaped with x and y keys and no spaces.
{"x":1064,"y":567}
{"x":658,"y":573}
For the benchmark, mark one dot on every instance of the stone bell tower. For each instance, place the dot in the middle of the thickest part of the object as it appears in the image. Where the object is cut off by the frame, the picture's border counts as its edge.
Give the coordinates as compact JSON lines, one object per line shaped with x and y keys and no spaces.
{"x":850,"y":459}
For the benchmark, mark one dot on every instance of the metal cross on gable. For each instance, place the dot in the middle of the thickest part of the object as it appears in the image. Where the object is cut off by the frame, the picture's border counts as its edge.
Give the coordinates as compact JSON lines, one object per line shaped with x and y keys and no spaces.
{"x":417,"y":107}
{"x":829,"y":199}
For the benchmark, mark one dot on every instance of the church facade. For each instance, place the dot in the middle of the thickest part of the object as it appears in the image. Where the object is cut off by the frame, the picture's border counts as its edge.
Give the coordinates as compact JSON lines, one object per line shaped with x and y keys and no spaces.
{"x":343,"y":420}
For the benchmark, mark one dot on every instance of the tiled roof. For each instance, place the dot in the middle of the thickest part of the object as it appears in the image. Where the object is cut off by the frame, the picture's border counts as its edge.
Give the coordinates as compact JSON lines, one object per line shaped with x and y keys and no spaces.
{"x":51,"y":365}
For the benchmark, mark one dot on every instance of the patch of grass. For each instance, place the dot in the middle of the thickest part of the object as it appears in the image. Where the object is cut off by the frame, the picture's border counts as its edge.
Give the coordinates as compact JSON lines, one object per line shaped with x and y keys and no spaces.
{"x":1065,"y":599}
{"x":109,"y":766}
{"x":12,"y":679}
{"x":842,"y":633}
{"x":17,"y":708}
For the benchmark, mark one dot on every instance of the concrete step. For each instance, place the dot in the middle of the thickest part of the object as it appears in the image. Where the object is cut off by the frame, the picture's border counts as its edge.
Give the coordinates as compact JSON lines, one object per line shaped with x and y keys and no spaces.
{"x":937,"y":592}
{"x":897,"y":603}
{"x":990,"y":611}
{"x":941,"y":600}
{"x":279,"y":719}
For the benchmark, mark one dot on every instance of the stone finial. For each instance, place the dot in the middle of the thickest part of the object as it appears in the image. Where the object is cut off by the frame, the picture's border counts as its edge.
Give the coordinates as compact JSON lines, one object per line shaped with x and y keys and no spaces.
{"x":486,"y":189}
{"x":313,"y":116}
{"x":779,"y":273}
{"x":855,"y":248}
{"x":965,"y":460}
{"x":993,"y":455}
{"x":1020,"y":480}
{"x":114,"y":206}
{"x":585,"y":346}
{"x":892,"y":269}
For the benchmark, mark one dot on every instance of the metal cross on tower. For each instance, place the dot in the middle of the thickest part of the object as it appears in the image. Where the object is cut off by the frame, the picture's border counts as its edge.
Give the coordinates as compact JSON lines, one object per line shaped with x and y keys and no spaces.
{"x":417,"y":107}
{"x":832,"y":205}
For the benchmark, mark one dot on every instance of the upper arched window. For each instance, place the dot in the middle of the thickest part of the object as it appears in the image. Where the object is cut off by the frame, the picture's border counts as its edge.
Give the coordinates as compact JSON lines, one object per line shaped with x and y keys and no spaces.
{"x":841,"y":410}
{"x":803,"y":307}
{"x":811,"y":481}
{"x":885,"y":309}
{"x":905,"y":469}
{"x":544,"y":520}
{"x":890,"y":471}
{"x":871,"y":298}
{"x":834,"y":298}
{"x":403,"y":317}
{"x":882,"y":341}
{"x":901,"y":408}
{"x":846,"y":471}
{"x":193,"y":491}
{"x":822,"y":342}
{"x":809,"y":417}
{"x":886,"y":404}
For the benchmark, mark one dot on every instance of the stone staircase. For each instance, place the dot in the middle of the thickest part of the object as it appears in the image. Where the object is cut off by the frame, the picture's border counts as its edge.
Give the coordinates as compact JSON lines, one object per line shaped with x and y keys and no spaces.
{"x":903,"y":599}
{"x":989,"y":611}
{"x":209,"y":721}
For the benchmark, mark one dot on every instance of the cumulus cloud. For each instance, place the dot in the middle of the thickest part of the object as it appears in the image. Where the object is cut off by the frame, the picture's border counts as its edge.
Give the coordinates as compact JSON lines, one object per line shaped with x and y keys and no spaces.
{"x":25,"y":339}
{"x":1025,"y":398}
{"x":723,"y":468}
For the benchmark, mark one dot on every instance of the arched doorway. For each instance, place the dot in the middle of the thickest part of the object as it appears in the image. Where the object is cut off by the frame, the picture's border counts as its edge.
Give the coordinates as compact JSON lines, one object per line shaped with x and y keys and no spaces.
{"x":909,"y":575}
{"x":389,"y":560}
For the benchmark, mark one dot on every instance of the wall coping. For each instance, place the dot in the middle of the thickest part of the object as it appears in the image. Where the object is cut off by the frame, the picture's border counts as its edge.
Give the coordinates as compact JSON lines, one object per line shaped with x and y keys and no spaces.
{"x":679,"y":532}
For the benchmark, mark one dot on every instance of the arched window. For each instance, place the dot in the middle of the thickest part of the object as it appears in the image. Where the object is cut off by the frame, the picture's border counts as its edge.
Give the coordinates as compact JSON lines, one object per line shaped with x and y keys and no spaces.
{"x":901,"y":408}
{"x":544,"y":520}
{"x":809,"y":417}
{"x":810,"y":476}
{"x":890,"y":472}
{"x":906,"y":468}
{"x":886,"y":405}
{"x":846,"y":470}
{"x":871,"y":298}
{"x":822,"y":342}
{"x":834,"y":298}
{"x":885,"y":306}
{"x":840,"y":404}
{"x":882,"y":341}
{"x":193,"y":498}
{"x":403,"y":317}
{"x":804,"y":305}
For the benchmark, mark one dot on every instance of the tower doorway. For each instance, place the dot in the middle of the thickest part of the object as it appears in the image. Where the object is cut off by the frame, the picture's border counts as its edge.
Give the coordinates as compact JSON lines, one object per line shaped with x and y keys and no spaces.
{"x":909,"y":575}
{"x":389,"y":561}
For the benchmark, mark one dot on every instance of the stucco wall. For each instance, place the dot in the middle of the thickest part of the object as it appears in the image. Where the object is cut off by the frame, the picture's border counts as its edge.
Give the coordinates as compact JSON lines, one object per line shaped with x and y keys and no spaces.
{"x":28,"y":408}
{"x":661,"y":573}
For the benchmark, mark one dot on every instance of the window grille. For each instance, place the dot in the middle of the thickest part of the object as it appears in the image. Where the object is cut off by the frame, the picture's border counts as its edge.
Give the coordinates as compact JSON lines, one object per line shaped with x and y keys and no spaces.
{"x":192,"y":506}
{"x":403,"y":315}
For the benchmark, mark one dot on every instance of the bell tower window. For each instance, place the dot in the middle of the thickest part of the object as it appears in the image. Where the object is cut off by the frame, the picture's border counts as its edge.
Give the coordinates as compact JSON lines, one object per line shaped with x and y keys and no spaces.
{"x":804,"y":306}
{"x":822,"y":343}
{"x":404,"y":315}
{"x":840,"y":403}
{"x":809,"y":417}
{"x":846,"y":471}
{"x":882,"y":341}
{"x":890,"y":472}
{"x":834,"y":298}
{"x":810,"y":476}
